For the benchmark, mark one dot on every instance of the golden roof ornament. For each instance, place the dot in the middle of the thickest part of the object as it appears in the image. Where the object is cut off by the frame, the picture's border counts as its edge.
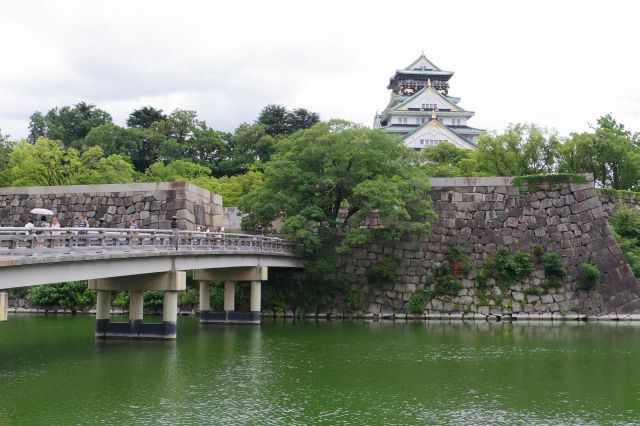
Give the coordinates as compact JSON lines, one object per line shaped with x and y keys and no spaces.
{"x":429,"y":82}
{"x":433,"y":114}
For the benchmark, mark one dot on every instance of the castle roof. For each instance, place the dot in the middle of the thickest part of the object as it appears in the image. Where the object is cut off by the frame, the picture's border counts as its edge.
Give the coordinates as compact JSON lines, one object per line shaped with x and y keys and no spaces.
{"x":423,"y":66}
{"x":428,"y":90}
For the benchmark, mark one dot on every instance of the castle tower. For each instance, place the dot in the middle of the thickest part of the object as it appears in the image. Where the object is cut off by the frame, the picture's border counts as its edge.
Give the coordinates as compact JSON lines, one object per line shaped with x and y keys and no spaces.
{"x":421,"y":110}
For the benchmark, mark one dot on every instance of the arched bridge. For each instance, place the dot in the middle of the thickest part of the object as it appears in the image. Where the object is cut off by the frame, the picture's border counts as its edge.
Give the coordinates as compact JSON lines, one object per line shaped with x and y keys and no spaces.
{"x":139,"y":260}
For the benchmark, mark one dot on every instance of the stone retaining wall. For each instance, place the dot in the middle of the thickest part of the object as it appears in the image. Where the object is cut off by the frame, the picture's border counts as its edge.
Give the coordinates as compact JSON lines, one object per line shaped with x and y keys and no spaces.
{"x":610,"y":203}
{"x":151,"y":204}
{"x":482,"y":215}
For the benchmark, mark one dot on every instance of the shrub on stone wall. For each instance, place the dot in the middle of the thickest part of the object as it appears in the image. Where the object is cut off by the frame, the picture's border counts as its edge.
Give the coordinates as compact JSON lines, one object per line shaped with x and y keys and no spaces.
{"x":353,"y":302}
{"x":588,"y":277}
{"x":442,"y":283}
{"x":552,"y":265}
{"x":505,"y":269}
{"x":383,"y":272}
{"x":417,"y":302}
{"x":533,"y":183}
{"x":626,"y":226}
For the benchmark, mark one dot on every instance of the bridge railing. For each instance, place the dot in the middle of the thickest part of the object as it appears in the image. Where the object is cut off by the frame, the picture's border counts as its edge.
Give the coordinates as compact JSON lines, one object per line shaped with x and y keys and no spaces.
{"x":52,"y":241}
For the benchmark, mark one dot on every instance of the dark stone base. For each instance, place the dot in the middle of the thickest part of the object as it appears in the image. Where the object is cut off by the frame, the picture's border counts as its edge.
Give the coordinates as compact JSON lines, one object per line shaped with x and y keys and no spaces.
{"x":230,"y":317}
{"x":135,"y":329}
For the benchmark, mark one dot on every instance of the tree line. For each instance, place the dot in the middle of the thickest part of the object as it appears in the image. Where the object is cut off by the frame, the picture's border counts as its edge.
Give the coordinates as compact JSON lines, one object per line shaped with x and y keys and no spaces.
{"x":609,"y":151}
{"x":80,"y":144}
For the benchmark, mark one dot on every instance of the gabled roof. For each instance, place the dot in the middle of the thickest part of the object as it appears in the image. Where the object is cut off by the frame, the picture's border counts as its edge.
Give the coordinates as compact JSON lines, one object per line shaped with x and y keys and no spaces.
{"x":435,"y":123}
{"x":430,"y":91}
{"x":422,"y":65}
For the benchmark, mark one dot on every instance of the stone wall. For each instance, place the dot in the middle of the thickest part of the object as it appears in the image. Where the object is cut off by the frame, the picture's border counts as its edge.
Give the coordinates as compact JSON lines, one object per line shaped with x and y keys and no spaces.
{"x":232,"y":219}
{"x":609,"y":203}
{"x":482,"y":215}
{"x":151,"y":204}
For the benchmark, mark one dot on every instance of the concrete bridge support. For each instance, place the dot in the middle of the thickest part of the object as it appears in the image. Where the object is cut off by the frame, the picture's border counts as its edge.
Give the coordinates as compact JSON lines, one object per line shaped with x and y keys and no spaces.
{"x":4,"y":305}
{"x":230,"y":276}
{"x":169,"y":282}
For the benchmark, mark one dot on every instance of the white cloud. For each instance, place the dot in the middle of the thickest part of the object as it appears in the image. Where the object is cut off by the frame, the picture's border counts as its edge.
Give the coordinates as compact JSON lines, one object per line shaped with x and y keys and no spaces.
{"x":560,"y":64}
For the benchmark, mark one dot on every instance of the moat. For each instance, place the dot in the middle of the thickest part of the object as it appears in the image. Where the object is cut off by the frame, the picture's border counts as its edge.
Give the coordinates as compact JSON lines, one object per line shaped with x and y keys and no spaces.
{"x":53,"y":371}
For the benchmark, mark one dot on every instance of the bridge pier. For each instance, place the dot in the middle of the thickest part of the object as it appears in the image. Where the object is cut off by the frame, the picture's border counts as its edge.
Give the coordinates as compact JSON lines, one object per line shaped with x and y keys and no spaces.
{"x":4,"y":305}
{"x":168,"y":282}
{"x":230,"y":276}
{"x":103,"y":311}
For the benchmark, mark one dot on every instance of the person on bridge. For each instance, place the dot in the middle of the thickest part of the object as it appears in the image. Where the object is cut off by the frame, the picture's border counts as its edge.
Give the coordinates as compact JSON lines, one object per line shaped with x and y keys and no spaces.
{"x":55,"y":224}
{"x":82,"y":222}
{"x":43,"y":222}
{"x":133,"y":225}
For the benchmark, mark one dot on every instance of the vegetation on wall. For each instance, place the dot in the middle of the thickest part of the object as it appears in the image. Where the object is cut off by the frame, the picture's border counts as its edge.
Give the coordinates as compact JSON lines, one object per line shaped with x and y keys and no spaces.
{"x":619,"y":194}
{"x":625,"y":223}
{"x":383,"y":271}
{"x":505,"y":269}
{"x":533,"y":183}
{"x":588,"y":277}
{"x":552,"y":265}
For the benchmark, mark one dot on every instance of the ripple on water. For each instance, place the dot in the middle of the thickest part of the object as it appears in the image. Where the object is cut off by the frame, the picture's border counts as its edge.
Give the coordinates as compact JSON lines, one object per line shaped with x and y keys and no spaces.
{"x":346,"y":373}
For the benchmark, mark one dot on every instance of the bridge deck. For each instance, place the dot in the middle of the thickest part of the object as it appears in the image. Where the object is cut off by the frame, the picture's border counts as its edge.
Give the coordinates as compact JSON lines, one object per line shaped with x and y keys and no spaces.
{"x":41,"y":256}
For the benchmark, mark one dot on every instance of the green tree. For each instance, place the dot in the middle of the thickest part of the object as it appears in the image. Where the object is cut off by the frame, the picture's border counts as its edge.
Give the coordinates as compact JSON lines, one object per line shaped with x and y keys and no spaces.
{"x":325,"y":181}
{"x":611,"y":153}
{"x":523,"y":149}
{"x":177,"y":170}
{"x":280,"y":121}
{"x":68,"y":124}
{"x":47,"y":163}
{"x":446,"y":159}
{"x":6,"y":147}
{"x":251,"y":146}
{"x":112,"y":169}
{"x":187,"y":137}
{"x":231,"y":188}
{"x":143,"y":118}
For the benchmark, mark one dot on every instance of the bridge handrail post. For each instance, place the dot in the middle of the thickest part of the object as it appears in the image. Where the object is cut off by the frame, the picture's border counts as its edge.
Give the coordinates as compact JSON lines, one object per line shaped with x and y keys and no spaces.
{"x":176,"y":235}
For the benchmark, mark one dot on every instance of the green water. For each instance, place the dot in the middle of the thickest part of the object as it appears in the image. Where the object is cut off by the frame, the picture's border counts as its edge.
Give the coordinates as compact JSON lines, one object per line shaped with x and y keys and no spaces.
{"x":52,"y":371}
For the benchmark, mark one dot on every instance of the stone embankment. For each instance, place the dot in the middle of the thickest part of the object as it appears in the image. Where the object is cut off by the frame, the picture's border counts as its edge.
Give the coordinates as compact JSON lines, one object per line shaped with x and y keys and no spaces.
{"x":151,"y":205}
{"x":483,"y":215}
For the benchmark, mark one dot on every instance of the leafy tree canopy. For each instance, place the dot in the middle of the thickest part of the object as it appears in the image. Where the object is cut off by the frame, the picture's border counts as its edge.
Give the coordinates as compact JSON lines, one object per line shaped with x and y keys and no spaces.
{"x":446,"y":159}
{"x":280,"y":121}
{"x":47,"y":163}
{"x":338,"y":168}
{"x":611,"y":153}
{"x":523,"y":149}
{"x":325,"y":181}
{"x":143,"y":118}
{"x":177,"y":170}
{"x":68,"y":124}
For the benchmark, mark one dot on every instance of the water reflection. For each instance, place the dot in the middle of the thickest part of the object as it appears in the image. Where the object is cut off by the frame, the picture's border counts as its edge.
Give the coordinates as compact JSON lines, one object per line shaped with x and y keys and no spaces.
{"x":311,"y":372}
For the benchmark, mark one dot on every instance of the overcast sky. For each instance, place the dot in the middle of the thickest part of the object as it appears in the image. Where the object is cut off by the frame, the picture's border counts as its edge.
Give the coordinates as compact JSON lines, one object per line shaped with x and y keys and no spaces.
{"x":557,"y":63}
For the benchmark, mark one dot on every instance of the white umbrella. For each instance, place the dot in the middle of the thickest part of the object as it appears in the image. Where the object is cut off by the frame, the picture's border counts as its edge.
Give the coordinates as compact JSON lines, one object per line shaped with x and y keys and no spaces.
{"x":43,"y":212}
